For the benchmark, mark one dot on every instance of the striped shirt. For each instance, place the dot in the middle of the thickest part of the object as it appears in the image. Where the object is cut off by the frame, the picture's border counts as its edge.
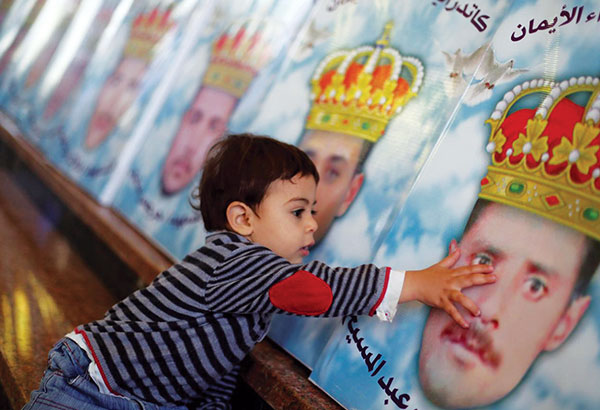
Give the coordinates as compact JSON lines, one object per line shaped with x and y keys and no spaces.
{"x":180,"y":340}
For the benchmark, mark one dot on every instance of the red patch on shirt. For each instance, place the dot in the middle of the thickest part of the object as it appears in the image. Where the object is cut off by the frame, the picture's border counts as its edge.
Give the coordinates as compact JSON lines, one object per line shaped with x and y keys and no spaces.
{"x":302,"y":293}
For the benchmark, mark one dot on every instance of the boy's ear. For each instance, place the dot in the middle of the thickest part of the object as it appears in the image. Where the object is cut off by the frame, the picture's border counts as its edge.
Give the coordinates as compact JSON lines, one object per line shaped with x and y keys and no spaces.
{"x":239,"y":218}
{"x":567,"y":322}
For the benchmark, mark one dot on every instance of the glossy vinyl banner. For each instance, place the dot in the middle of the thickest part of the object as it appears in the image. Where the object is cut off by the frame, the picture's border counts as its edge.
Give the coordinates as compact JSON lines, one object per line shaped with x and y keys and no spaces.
{"x":32,"y":56}
{"x":401,"y":77}
{"x":515,"y":180}
{"x":39,"y":101}
{"x":128,"y":68}
{"x":218,"y":89}
{"x":20,"y":17}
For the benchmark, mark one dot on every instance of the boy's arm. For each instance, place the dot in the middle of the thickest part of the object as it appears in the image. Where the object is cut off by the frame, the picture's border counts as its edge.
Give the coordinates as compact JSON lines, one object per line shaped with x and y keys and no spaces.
{"x":258,"y":281}
{"x":440,"y":285}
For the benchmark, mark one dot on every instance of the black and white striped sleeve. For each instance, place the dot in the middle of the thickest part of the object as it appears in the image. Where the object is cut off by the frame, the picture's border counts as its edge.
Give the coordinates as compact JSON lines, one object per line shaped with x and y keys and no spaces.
{"x":258,"y":281}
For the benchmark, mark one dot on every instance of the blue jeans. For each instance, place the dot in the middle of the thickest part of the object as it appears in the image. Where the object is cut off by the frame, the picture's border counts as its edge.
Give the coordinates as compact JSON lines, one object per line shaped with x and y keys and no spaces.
{"x":66,"y":385}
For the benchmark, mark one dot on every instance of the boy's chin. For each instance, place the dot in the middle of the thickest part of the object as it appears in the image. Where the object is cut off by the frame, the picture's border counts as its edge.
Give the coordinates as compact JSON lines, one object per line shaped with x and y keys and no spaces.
{"x":295,"y":260}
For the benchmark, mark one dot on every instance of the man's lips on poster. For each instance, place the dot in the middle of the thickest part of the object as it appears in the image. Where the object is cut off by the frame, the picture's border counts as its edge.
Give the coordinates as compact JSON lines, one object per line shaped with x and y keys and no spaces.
{"x":476,"y":340}
{"x":103,"y":121}
{"x":182,"y":166}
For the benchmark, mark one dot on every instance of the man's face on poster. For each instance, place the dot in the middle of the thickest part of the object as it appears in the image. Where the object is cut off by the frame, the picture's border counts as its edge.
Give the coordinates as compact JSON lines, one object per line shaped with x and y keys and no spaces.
{"x":528,"y":310}
{"x":202,"y":125}
{"x":117,"y":94}
{"x":336,"y":157}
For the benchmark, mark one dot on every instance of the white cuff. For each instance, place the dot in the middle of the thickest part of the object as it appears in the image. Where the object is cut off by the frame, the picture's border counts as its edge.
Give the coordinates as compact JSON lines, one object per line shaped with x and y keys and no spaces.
{"x":387,"y":308}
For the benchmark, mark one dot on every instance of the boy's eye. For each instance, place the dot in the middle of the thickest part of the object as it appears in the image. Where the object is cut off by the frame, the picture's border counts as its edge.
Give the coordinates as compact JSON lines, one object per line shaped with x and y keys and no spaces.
{"x":313,"y":212}
{"x":297,"y":212}
{"x":482,"y":258}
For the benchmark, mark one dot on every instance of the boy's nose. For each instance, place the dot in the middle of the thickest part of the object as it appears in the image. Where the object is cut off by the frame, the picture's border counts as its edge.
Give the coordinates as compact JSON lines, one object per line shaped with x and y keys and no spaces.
{"x":312,"y":224}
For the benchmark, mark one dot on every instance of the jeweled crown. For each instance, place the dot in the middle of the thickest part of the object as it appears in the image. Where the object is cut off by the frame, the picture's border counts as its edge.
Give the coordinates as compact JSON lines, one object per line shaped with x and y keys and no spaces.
{"x":358,"y":91}
{"x":146,"y":31}
{"x":237,"y":57}
{"x":546,"y":160}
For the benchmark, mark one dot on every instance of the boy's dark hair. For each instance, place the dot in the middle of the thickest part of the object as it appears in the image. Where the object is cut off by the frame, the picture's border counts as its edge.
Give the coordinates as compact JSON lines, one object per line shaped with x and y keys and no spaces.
{"x":240,"y":167}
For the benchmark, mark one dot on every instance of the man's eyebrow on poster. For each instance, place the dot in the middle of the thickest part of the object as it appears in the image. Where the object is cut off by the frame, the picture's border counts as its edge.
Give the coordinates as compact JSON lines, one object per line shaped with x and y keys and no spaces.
{"x":537,"y":221}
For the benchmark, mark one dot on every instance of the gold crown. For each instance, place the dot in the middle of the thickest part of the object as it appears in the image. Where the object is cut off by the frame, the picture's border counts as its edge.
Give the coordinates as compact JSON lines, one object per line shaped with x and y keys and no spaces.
{"x":146,"y":32}
{"x":237,"y":56}
{"x":358,"y":91}
{"x":547,"y":160}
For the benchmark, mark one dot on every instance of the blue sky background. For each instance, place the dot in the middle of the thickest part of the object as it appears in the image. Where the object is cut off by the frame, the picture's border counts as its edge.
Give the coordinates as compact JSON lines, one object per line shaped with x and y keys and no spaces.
{"x":435,"y":212}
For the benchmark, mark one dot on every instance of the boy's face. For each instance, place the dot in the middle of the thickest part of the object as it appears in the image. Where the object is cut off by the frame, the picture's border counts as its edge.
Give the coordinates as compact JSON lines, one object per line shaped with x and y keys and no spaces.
{"x":283,"y":221}
{"x":526,"y":311}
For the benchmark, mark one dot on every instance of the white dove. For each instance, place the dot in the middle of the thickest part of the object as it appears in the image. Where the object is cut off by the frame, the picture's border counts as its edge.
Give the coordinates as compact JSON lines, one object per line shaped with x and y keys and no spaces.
{"x":312,"y":37}
{"x":490,"y":74}
{"x":461,"y":66}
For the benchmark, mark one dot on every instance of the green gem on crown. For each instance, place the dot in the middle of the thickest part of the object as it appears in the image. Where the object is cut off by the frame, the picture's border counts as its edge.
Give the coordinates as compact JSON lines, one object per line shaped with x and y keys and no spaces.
{"x":516,"y":188}
{"x":326,"y":118}
{"x":365,"y":126}
{"x":591,"y":214}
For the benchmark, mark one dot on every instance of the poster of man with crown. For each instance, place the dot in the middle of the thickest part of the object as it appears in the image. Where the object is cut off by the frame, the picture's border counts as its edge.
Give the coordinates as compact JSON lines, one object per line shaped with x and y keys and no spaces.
{"x":39,"y":101}
{"x":515,"y":183}
{"x":218,"y":89}
{"x":32,"y":56}
{"x":87,"y":135}
{"x":19,"y":19}
{"x":367,"y":96}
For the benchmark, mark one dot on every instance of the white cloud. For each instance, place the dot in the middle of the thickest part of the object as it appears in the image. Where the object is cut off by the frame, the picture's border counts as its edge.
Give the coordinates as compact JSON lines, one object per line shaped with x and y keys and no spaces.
{"x":460,"y":154}
{"x":346,"y":239}
{"x":413,"y":255}
{"x":283,"y":108}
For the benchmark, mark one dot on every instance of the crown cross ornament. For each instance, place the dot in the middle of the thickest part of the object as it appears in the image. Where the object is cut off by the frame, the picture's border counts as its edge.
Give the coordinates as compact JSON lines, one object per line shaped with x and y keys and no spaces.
{"x":358,"y":91}
{"x":146,"y":31}
{"x":237,"y":57}
{"x":546,"y":160}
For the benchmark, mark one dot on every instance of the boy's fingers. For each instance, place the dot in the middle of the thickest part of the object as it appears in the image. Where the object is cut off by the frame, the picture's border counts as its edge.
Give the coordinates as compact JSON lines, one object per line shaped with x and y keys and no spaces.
{"x":469,"y":269}
{"x":451,"y":259}
{"x":453,"y":312}
{"x":475,"y":279}
{"x":466,"y":303}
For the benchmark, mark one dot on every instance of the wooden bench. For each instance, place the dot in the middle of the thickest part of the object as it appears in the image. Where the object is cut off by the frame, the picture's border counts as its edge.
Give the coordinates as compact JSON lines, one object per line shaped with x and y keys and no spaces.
{"x":34,"y":291}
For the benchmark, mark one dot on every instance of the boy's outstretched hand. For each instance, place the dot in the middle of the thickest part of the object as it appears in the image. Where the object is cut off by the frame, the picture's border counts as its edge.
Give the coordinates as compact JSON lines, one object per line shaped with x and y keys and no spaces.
{"x":441,"y":285}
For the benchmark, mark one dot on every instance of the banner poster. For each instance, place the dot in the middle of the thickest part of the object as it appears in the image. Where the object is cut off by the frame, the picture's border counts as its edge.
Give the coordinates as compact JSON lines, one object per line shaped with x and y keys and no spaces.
{"x":32,"y":56}
{"x":86,"y":136}
{"x":367,"y":91}
{"x":5,"y":6}
{"x":36,"y":102}
{"x":19,"y":19}
{"x":218,"y":89}
{"x":515,"y":179}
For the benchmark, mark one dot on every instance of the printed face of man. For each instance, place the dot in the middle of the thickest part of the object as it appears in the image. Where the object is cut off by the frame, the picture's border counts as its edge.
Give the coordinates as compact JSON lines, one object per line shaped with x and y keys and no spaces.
{"x":202,"y":125}
{"x":117,"y":94}
{"x":526,"y":311}
{"x":336,"y":157}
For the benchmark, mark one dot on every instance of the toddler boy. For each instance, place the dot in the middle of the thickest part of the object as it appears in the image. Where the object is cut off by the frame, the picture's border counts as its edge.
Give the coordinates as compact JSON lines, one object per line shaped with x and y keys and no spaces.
{"x":178,"y":342}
